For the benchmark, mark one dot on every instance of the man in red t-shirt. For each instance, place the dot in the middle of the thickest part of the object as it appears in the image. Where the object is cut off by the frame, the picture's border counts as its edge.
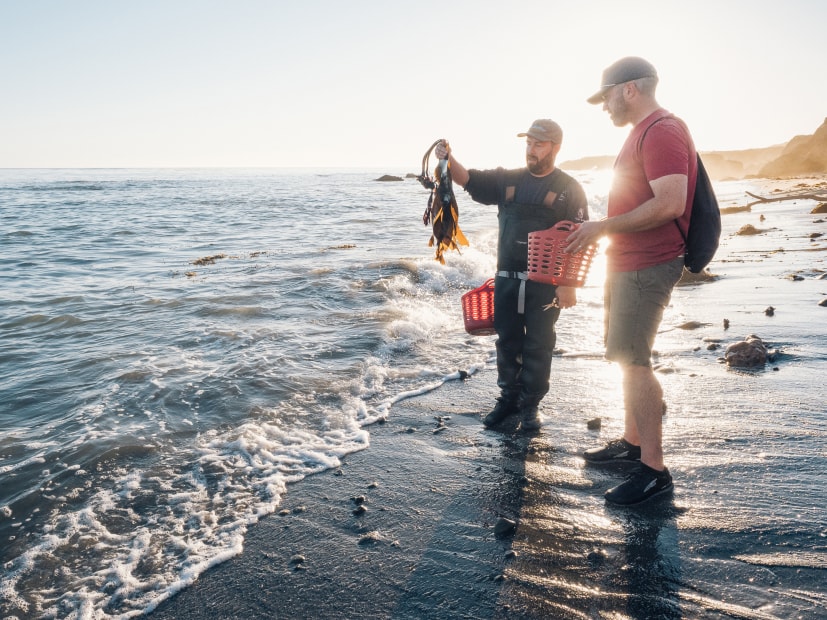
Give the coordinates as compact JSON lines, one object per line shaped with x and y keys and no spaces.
{"x":653,"y":187}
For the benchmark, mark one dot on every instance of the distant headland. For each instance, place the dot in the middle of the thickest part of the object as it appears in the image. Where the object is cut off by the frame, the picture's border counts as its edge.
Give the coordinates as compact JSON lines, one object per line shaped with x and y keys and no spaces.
{"x":800,"y":156}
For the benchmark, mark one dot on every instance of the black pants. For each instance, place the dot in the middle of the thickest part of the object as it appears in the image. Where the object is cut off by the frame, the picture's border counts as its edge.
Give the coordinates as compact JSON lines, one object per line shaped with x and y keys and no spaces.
{"x":525,"y":341}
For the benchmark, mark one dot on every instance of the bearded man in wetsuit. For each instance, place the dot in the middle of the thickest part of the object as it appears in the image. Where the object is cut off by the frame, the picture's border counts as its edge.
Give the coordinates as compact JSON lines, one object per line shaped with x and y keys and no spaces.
{"x":532,"y":198}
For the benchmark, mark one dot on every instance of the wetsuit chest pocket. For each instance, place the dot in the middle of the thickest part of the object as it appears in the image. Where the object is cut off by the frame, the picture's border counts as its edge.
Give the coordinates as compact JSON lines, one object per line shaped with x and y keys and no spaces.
{"x":516,"y":222}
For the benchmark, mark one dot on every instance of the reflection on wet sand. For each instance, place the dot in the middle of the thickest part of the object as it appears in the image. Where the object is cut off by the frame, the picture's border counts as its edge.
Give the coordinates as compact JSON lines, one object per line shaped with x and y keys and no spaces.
{"x":577,"y":557}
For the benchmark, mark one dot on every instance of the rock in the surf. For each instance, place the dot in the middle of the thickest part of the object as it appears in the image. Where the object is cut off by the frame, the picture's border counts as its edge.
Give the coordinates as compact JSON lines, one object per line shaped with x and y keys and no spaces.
{"x":748,"y":353}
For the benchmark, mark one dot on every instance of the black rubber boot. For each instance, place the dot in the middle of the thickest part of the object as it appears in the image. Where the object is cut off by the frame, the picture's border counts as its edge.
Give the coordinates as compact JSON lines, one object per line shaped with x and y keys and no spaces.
{"x":530,"y":419}
{"x":505,"y":407}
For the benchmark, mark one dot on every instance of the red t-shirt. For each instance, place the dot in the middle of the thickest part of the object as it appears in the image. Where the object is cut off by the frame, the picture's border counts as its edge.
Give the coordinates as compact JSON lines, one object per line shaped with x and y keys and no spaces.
{"x":667,"y":149}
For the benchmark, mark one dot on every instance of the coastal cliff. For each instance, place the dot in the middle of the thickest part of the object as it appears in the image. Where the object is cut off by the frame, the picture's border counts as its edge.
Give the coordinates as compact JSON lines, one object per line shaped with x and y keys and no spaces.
{"x":802,"y":155}
{"x":806,"y":154}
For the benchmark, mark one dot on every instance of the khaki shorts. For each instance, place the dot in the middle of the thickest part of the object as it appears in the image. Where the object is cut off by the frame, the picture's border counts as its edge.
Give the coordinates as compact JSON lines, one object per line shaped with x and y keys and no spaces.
{"x":634,"y":305}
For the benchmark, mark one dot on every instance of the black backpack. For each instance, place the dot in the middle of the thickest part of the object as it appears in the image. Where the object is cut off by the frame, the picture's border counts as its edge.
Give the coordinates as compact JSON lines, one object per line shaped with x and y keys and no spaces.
{"x":704,"y":224}
{"x":705,"y":221}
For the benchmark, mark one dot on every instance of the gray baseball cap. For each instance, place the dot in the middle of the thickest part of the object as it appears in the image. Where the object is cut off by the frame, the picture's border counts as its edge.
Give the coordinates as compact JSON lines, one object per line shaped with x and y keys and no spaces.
{"x":544,"y":130}
{"x":624,"y":70}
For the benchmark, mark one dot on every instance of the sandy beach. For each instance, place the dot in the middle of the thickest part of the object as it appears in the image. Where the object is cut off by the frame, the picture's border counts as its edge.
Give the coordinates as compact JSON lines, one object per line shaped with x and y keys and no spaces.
{"x":441,"y":518}
{"x":234,"y":376}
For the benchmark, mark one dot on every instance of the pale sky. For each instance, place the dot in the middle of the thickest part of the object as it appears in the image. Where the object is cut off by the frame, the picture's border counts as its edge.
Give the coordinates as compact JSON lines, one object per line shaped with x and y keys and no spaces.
{"x":362,"y":83}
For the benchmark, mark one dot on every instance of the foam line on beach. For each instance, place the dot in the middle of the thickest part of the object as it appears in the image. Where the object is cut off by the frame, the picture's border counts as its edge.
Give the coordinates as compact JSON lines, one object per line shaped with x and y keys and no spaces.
{"x":384,"y":407}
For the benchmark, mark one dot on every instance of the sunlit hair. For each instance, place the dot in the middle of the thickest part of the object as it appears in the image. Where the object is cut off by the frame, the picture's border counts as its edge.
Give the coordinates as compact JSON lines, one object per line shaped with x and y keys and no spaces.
{"x":646,"y":85}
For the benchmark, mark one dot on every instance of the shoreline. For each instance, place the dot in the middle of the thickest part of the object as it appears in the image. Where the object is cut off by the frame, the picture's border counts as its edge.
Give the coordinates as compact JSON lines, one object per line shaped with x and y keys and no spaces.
{"x":458,"y":522}
{"x":404,"y":528}
{"x":411,"y":526}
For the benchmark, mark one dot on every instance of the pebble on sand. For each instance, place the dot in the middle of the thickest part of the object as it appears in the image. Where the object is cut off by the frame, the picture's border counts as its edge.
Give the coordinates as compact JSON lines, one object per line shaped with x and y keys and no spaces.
{"x":371,"y":538}
{"x":749,"y":229}
{"x":693,"y":325}
{"x":504,"y":527}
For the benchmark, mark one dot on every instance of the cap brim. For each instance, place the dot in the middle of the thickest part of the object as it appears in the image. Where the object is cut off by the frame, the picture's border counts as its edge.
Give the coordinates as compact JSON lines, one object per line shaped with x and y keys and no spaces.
{"x":598,"y":96}
{"x":536,"y":137}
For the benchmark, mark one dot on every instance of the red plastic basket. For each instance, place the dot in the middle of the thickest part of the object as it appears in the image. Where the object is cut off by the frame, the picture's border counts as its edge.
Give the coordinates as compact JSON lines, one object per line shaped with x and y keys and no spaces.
{"x":548,"y":263}
{"x":478,"y":309}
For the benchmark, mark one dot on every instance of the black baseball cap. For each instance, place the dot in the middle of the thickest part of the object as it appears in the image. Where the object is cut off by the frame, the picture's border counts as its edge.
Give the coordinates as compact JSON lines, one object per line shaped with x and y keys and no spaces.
{"x":624,"y":70}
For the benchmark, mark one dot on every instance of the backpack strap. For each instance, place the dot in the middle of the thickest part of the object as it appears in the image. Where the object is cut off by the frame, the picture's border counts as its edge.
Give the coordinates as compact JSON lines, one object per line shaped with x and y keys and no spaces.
{"x":652,"y":124}
{"x":640,"y":148}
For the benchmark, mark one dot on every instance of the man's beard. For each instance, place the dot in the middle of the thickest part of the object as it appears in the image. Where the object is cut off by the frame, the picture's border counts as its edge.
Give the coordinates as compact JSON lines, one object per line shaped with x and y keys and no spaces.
{"x":619,"y":113}
{"x":541,"y":166}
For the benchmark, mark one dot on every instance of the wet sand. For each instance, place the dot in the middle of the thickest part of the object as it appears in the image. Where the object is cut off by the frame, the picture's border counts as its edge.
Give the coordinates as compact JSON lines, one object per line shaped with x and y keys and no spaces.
{"x":426,"y":545}
{"x":438,"y":492}
{"x":411,"y":527}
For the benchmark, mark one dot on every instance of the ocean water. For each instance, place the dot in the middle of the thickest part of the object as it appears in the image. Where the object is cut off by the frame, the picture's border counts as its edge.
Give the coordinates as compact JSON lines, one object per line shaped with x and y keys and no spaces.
{"x":178,"y":346}
{"x":153,"y":408}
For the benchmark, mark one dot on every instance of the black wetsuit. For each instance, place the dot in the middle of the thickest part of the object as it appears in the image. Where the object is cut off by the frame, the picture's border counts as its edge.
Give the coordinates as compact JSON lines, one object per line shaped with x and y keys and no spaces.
{"x":525,"y":331}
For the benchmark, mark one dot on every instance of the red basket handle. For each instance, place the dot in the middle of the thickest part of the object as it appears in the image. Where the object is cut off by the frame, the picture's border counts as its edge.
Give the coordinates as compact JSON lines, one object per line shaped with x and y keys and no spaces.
{"x":566,"y":226}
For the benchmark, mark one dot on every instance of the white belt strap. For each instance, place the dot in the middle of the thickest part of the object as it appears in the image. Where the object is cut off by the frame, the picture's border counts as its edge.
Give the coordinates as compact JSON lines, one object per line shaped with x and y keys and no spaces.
{"x":519,"y":275}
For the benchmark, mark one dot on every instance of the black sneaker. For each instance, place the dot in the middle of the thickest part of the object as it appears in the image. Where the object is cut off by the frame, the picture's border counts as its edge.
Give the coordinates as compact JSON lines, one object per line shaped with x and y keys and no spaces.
{"x":500,"y":412}
{"x":617,"y":451}
{"x":530,"y":420}
{"x":642,"y":485}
